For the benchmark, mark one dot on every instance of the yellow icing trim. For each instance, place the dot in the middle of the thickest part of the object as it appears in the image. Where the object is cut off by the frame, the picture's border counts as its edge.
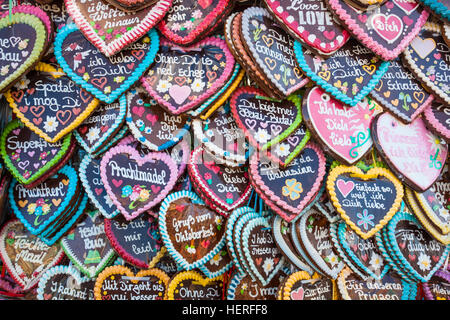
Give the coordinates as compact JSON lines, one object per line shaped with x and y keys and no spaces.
{"x":371,"y":174}
{"x":126,"y":271}
{"x":224,"y":96}
{"x":80,"y":118}
{"x":185,"y":275}
{"x":445,"y":239}
{"x":45,"y":67}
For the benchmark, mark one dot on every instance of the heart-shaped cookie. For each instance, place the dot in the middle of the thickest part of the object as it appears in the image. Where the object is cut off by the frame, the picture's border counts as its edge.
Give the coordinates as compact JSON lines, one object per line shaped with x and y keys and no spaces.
{"x":437,"y":117}
{"x":106,"y":120}
{"x":243,"y":287}
{"x":386,"y":29}
{"x":191,"y":285}
{"x":271,"y":48}
{"x":152,"y":125}
{"x":366,"y":201}
{"x":344,"y":131}
{"x":183,"y":78}
{"x":27,"y":156}
{"x":65,"y":283}
{"x":227,"y":187}
{"x":24,"y":39}
{"x":399,"y":145}
{"x":131,"y":5}
{"x":25,"y":256}
{"x":137,"y":183}
{"x":187,"y":20}
{"x":49,"y":103}
{"x":107,"y":78}
{"x":110,"y":29}
{"x":437,"y":288}
{"x":138,"y":241}
{"x":87,"y":245}
{"x":428,"y":58}
{"x":120,"y":283}
{"x":191,"y":232}
{"x":293,"y":187}
{"x":302,"y":286}
{"x":310,"y":22}
{"x":400,"y":93}
{"x":349,"y":74}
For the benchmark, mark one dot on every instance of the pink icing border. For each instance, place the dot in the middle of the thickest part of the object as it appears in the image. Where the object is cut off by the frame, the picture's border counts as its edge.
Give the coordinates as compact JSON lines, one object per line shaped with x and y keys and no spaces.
{"x":253,"y":169}
{"x":173,"y":37}
{"x":229,"y":67}
{"x":329,"y":48}
{"x":369,"y":42}
{"x":197,"y":179}
{"x":157,"y":11}
{"x":441,"y":130}
{"x":140,"y":160}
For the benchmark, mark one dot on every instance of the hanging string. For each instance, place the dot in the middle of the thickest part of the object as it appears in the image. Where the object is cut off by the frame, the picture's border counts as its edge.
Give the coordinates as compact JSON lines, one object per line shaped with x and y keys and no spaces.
{"x":10,"y":5}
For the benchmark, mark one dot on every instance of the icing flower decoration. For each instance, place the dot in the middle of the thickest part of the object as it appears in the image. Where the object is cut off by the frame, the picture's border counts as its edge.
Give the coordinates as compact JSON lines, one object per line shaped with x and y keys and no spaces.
{"x":268,"y":265}
{"x":332,"y":259}
{"x":135,"y":194}
{"x":190,"y":249}
{"x":262,"y":136}
{"x":4,"y":70}
{"x":197,"y":85}
{"x":127,"y":191}
{"x":43,"y":155}
{"x":376,"y":261}
{"x":292,"y":189}
{"x":86,"y":76}
{"x":107,"y":89}
{"x":208,"y":177}
{"x":365,"y":219}
{"x":93,"y":134}
{"x":197,"y":14}
{"x":188,"y":25}
{"x":23,"y":44}
{"x":50,"y":124}
{"x":163,"y":86}
{"x":282,"y":149}
{"x":229,"y":197}
{"x":22,"y":84}
{"x":424,"y":262}
{"x":216,"y":259}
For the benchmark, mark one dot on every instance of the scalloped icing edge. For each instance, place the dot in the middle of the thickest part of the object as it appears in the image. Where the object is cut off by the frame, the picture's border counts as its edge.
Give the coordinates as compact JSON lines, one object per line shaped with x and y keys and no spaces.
{"x":185,"y":275}
{"x":197,"y":179}
{"x":435,"y":124}
{"x":161,"y":275}
{"x":125,"y":255}
{"x":373,"y":173}
{"x":253,"y":170}
{"x":179,"y":259}
{"x":221,"y":81}
{"x":43,"y":170}
{"x":34,"y":21}
{"x":253,"y":223}
{"x":116,"y":93}
{"x":93,"y":198}
{"x":426,"y":289}
{"x":418,"y":72}
{"x":368,"y":41}
{"x":389,"y":232}
{"x":437,"y":8}
{"x":106,"y":260}
{"x":199,"y":29}
{"x":172,"y":166}
{"x":42,"y":67}
{"x":333,"y":90}
{"x":302,"y":275}
{"x":217,"y":273}
{"x":142,"y":139}
{"x":70,"y":173}
{"x":98,"y":145}
{"x":119,"y":135}
{"x":57,"y":270}
{"x":284,"y":18}
{"x":253,"y":11}
{"x":6,"y":262}
{"x":445,"y":229}
{"x":151,"y":19}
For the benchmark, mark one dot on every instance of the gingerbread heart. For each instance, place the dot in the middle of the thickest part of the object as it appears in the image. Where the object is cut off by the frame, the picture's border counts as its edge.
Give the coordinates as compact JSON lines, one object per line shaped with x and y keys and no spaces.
{"x":399,"y":144}
{"x":243,"y":287}
{"x":218,"y":265}
{"x":301,"y":286}
{"x":110,"y":29}
{"x":310,"y":22}
{"x":138,"y":241}
{"x":27,"y":156}
{"x":137,"y":183}
{"x":24,"y":39}
{"x":65,"y":283}
{"x":187,"y":20}
{"x":152,"y":125}
{"x":107,"y":78}
{"x":386,"y":29}
{"x":349,"y":74}
{"x":53,"y":105}
{"x":25,"y":256}
{"x":437,"y":116}
{"x":183,"y":78}
{"x":191,"y":285}
{"x":437,"y":288}
{"x":120,"y":283}
{"x":191,"y":232}
{"x":344,"y":131}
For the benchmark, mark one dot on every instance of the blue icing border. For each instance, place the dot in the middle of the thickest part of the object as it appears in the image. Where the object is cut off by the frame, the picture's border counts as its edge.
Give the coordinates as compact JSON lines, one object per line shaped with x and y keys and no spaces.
{"x":217,"y":273}
{"x":73,"y":181}
{"x":333,"y":90}
{"x":165,"y":236}
{"x":122,"y":113}
{"x":234,"y":282}
{"x":438,"y":8}
{"x":148,"y":60}
{"x":92,"y":197}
